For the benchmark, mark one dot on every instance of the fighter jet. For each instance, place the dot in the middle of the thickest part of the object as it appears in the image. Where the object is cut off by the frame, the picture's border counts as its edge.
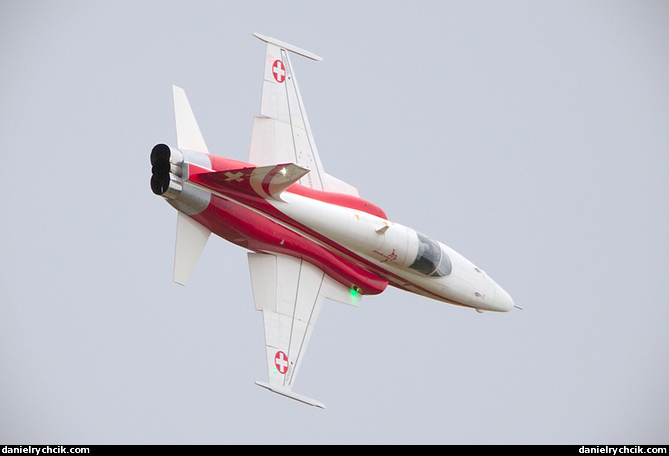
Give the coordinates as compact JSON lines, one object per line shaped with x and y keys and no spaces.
{"x":310,"y":236}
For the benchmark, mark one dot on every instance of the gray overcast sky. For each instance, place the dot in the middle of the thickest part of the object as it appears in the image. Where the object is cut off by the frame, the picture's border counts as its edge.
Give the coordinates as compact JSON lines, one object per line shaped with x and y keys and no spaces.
{"x":532,"y":137}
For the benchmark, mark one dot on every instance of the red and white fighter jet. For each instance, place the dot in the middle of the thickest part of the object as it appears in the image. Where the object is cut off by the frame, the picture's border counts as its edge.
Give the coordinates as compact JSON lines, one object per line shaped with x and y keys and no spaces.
{"x":309,"y":234}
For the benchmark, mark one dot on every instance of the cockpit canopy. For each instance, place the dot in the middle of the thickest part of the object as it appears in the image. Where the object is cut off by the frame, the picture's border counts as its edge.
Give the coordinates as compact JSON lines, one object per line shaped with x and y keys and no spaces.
{"x":431,"y":259}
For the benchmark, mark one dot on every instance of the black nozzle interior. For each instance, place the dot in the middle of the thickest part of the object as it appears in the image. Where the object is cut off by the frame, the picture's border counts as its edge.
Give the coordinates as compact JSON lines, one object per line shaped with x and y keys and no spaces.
{"x":160,"y":169}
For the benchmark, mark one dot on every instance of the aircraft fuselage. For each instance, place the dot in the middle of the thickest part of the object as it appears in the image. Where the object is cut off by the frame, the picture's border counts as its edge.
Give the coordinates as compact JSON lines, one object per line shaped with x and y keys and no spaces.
{"x":347,"y":237}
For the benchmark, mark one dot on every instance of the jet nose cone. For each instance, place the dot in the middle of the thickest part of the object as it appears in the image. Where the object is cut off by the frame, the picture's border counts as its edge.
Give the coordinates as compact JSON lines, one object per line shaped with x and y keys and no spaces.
{"x":503,"y":300}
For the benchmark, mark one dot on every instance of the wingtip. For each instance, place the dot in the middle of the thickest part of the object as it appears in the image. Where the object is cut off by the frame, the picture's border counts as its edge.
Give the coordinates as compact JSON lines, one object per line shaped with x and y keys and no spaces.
{"x":288,"y":47}
{"x":289,"y":394}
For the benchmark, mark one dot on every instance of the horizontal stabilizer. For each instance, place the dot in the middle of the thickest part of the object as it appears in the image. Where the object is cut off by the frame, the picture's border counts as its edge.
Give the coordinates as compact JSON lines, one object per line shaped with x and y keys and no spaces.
{"x":189,"y":136}
{"x":191,"y":239}
{"x":264,"y":181}
{"x":290,"y":394}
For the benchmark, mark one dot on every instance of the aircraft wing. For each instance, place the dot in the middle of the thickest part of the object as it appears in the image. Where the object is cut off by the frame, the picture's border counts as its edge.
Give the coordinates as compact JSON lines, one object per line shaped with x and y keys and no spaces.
{"x":289,"y":292}
{"x":282,"y":133}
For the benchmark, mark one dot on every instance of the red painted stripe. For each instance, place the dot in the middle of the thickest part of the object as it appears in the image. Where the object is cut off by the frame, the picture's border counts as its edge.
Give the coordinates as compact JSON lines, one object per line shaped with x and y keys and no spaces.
{"x":254,"y":231}
{"x":339,"y":199}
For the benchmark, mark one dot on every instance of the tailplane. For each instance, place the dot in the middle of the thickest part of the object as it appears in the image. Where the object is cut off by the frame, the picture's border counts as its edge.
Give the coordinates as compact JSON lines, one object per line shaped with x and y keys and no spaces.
{"x":190,"y":242}
{"x":191,"y":235}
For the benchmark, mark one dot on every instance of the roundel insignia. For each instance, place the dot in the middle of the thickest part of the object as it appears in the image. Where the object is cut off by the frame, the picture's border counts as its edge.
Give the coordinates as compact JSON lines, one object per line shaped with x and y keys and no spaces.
{"x":279,"y":71}
{"x":281,"y":362}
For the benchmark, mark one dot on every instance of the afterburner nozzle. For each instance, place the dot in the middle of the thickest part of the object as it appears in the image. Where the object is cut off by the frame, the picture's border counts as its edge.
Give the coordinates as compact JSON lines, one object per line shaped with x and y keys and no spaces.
{"x":166,"y":171}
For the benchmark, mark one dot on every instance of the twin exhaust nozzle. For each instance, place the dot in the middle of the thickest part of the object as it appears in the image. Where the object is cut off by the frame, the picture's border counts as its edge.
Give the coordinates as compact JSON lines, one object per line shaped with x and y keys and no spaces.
{"x":166,"y":171}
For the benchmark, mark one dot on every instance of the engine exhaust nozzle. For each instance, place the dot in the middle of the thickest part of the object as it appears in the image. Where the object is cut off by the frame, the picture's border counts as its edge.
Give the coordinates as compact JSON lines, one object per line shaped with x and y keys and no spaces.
{"x":166,"y":171}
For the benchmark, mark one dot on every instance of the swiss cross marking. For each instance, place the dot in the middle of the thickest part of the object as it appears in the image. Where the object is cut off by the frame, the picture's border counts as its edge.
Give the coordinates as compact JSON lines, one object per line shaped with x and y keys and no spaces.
{"x":237,"y":177}
{"x":279,"y":71}
{"x":281,"y":362}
